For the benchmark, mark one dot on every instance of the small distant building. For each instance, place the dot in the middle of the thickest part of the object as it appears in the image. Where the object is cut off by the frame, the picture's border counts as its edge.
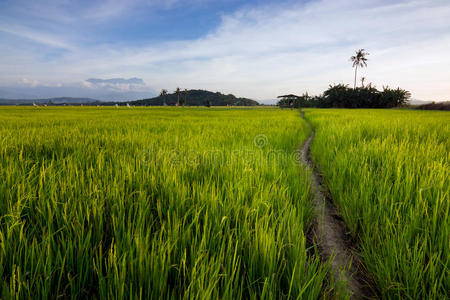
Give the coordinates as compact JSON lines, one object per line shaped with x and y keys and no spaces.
{"x":287,"y":101}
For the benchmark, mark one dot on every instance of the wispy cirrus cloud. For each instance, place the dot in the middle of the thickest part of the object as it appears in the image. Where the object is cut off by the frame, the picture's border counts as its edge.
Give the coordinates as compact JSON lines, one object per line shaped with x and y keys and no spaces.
{"x":36,"y":36}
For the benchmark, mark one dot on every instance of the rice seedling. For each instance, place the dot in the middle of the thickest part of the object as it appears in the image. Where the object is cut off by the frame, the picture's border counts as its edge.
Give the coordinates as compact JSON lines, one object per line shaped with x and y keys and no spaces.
{"x":388,"y":174}
{"x":155,"y":203}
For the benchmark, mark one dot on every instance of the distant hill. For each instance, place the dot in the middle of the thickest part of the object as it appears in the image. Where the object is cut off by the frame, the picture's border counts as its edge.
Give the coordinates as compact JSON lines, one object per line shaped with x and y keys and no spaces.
{"x":194,"y":98}
{"x":59,"y":100}
{"x":198,"y":98}
{"x":418,"y":102}
{"x":434,"y":106}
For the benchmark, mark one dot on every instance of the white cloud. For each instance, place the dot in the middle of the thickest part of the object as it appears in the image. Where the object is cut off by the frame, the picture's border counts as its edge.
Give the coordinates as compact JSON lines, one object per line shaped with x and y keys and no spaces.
{"x":30,"y":82}
{"x":281,"y":48}
{"x":36,"y":83}
{"x":33,"y":35}
{"x":116,"y":84}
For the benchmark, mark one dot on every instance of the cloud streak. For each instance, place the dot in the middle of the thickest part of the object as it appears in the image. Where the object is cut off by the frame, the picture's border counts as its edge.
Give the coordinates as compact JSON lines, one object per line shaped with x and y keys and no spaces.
{"x":36,"y":36}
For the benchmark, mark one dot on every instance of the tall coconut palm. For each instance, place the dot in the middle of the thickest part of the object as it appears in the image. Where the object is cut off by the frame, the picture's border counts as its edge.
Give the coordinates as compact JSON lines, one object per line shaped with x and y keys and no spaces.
{"x":163,"y":95}
{"x":186,"y":92}
{"x":359,"y":60}
{"x":178,"y":91}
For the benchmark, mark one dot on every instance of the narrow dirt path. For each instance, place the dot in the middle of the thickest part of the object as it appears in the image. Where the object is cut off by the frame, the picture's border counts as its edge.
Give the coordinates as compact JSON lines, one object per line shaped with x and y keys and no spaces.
{"x":329,"y":235}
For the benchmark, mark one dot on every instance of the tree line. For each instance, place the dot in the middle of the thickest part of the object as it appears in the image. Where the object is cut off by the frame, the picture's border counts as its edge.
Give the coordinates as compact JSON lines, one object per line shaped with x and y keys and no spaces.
{"x":181,"y":96}
{"x":342,"y":96}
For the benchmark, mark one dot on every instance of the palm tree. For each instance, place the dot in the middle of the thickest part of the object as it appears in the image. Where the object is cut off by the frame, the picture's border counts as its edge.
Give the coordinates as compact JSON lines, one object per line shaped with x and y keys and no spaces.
{"x":186,"y":92}
{"x":164,"y":95}
{"x":359,"y":60}
{"x":178,"y":91}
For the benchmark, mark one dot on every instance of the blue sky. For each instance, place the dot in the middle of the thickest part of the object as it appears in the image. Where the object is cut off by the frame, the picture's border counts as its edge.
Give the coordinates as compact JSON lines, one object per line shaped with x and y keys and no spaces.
{"x":257,"y":49}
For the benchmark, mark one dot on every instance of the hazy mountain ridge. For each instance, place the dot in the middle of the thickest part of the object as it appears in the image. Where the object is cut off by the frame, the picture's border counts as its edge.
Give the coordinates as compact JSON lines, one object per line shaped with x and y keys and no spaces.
{"x":57,"y":100}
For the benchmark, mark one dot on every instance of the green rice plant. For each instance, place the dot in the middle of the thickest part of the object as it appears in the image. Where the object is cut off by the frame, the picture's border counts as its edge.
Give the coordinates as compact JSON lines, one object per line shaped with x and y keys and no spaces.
{"x":388,"y":174}
{"x":154,"y":203}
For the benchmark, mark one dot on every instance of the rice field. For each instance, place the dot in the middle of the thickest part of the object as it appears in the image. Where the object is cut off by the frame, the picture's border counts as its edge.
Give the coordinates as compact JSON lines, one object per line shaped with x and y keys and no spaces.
{"x":209,"y":203}
{"x":388,"y":174}
{"x":154,"y":203}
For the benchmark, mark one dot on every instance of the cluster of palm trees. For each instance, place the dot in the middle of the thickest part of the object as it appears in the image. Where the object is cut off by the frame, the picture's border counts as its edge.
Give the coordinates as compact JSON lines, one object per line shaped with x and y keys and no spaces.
{"x":181,"y":96}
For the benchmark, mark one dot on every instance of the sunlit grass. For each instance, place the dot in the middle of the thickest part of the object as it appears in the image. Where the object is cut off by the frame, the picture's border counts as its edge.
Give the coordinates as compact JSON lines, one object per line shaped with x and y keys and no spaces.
{"x":154,"y":203}
{"x":388,"y":173}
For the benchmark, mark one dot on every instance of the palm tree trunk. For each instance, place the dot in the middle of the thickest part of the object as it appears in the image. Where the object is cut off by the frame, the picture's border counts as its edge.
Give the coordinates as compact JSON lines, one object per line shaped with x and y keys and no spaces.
{"x":356,"y":69}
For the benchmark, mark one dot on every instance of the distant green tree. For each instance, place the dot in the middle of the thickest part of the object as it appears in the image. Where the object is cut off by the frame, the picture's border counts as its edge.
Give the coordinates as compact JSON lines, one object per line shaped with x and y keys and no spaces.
{"x":163,"y":95}
{"x":184,"y":99}
{"x":394,"y":97}
{"x":359,"y":60}
{"x":178,"y":92}
{"x":337,"y":96}
{"x":341,"y":96}
{"x":303,"y":100}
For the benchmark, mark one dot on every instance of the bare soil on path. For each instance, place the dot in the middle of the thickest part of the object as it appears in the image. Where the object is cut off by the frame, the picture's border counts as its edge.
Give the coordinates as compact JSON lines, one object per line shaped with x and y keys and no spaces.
{"x":330,"y":235}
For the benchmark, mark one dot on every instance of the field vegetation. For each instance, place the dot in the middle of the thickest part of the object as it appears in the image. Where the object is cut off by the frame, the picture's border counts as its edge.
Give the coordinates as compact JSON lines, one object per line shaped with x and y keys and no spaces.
{"x":154,"y":203}
{"x":103,"y":202}
{"x":388,"y":173}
